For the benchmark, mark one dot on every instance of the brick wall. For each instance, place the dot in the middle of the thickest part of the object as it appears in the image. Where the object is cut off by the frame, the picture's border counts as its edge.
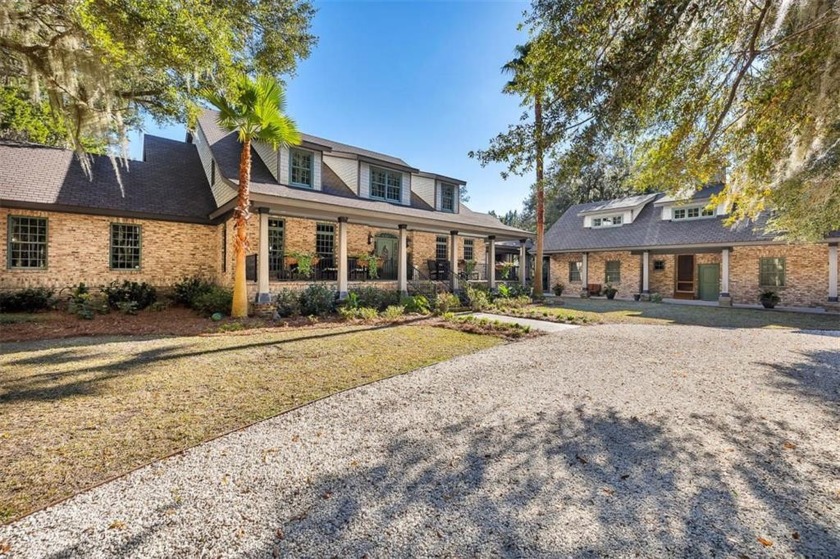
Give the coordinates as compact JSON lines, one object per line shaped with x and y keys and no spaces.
{"x":78,"y":250}
{"x":806,"y":272}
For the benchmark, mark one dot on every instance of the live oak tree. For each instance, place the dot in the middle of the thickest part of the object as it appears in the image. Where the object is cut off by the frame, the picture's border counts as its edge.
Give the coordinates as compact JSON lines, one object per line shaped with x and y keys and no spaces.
{"x":692,"y":87}
{"x":101,"y":65}
{"x":253,"y":108}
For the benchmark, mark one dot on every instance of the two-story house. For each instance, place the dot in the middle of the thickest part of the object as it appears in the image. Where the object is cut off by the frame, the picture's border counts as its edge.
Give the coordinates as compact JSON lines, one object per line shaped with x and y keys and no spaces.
{"x":683,"y":249}
{"x":170,"y":216}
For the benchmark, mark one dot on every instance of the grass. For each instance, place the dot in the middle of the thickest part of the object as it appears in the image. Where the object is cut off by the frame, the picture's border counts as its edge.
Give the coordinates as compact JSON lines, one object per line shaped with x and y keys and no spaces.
{"x":76,"y":412}
{"x":632,"y":312}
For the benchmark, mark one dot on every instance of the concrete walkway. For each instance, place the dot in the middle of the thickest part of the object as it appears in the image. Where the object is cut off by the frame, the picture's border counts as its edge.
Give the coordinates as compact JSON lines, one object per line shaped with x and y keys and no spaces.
{"x":541,"y":325}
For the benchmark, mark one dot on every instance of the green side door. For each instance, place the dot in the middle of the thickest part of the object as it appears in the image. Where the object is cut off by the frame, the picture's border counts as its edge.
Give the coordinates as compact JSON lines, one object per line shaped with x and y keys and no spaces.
{"x":709,"y":279}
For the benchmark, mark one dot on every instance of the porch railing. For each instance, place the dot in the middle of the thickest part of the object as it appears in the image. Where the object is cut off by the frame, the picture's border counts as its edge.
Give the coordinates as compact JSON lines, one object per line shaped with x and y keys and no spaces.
{"x":326,"y":269}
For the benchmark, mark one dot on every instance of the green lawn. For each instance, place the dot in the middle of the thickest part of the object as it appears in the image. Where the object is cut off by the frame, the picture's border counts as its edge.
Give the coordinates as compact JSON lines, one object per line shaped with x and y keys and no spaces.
{"x":611,"y":312}
{"x":76,"y":412}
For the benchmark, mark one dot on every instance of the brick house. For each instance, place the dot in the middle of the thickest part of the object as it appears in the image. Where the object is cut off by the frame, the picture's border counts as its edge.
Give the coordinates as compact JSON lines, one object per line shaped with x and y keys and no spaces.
{"x":682,"y":249}
{"x":170,"y":216}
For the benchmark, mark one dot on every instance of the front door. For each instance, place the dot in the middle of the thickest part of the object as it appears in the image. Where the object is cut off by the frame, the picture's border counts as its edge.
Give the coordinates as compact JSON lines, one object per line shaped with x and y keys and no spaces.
{"x":708,"y":275}
{"x":684,"y":288}
{"x":386,"y":249}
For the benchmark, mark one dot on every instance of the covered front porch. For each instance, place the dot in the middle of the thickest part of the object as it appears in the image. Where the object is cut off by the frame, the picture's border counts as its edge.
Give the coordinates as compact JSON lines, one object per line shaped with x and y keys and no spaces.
{"x":292,"y":245}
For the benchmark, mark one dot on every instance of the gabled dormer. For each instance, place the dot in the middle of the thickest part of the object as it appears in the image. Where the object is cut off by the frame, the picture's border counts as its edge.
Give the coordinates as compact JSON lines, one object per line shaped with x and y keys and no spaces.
{"x":615,"y":213}
{"x":691,"y":206}
{"x":439,"y":192}
{"x":298,"y":166}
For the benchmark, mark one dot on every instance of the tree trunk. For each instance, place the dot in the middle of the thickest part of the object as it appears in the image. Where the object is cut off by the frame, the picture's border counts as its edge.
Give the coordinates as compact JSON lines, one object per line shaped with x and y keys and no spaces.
{"x":538,"y":131}
{"x":241,"y":215}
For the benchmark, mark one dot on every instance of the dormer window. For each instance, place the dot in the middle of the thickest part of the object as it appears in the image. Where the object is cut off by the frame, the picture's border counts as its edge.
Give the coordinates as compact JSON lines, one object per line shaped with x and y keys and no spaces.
{"x":447,"y":197}
{"x":300,"y":168}
{"x":385,"y":185}
{"x":694,"y":212}
{"x":607,"y":221}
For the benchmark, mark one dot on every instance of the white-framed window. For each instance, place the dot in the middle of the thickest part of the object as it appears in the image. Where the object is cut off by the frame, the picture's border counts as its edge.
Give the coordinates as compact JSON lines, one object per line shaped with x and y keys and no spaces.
{"x":385,"y":184}
{"x":607,"y":221}
{"x":301,"y":164}
{"x":447,"y":197}
{"x":693,"y":212}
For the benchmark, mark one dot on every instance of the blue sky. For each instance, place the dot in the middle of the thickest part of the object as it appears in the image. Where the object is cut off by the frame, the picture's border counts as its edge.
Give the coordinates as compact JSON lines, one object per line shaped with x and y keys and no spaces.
{"x":418,"y":80}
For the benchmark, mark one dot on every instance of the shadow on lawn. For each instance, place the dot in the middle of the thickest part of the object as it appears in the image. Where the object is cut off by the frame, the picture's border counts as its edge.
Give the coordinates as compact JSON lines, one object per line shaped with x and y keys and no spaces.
{"x":48,"y":386}
{"x":699,"y":315}
{"x":581,"y":483}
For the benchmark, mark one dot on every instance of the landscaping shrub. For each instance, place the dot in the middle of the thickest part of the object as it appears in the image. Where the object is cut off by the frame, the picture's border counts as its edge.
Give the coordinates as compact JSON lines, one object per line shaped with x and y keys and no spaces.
{"x":127,"y":307}
{"x":187,"y":290}
{"x":141,"y":293}
{"x":477,"y":299}
{"x":393,"y":312}
{"x":287,"y":303}
{"x":216,"y":300}
{"x":359,"y":313}
{"x":374,"y":297}
{"x":317,"y":300}
{"x":28,"y":300}
{"x":417,"y":304}
{"x":512,"y":302}
{"x":445,"y":302}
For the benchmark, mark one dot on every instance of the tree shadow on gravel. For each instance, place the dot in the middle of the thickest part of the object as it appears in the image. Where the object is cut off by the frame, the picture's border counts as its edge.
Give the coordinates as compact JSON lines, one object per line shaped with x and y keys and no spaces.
{"x":816,"y":375}
{"x":582,"y":482}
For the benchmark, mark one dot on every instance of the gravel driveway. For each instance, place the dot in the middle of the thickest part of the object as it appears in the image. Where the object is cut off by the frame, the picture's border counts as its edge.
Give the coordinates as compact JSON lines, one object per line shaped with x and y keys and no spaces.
{"x":620,"y":440}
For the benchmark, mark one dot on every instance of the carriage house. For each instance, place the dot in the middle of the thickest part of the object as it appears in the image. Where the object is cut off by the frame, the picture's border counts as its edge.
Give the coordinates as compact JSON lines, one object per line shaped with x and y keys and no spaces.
{"x":321,"y":211}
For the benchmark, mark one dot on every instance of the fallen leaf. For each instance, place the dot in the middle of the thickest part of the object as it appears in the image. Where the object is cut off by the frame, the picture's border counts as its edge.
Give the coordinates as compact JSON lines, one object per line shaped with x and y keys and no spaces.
{"x":326,"y":495}
{"x":117,"y":525}
{"x":765,"y":542}
{"x":608,"y":491}
{"x":5,"y":547}
{"x":279,"y":533}
{"x":789,"y":445}
{"x":295,"y":438}
{"x":795,"y":535}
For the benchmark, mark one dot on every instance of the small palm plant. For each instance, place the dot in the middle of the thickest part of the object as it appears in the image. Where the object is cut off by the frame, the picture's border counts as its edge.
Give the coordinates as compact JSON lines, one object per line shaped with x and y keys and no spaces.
{"x":254,"y":108}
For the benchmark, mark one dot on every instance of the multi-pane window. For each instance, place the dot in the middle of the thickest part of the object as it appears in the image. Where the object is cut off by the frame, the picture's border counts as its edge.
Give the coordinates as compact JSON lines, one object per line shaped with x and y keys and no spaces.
{"x":27,"y":242}
{"x":692,"y":213}
{"x":574,"y":271}
{"x":469,"y":249}
{"x":607,"y":221}
{"x":772,"y":272}
{"x":447,"y":197}
{"x":386,"y":185}
{"x":325,"y":240}
{"x":658,"y":264}
{"x":442,"y":248}
{"x":300,"y":163}
{"x":125,"y":246}
{"x":275,"y":246}
{"x":613,"y":271}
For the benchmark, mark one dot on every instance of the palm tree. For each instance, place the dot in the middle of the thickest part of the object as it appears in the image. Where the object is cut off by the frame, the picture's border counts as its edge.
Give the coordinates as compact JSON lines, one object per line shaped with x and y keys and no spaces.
{"x":254,"y":109}
{"x":523,"y":82}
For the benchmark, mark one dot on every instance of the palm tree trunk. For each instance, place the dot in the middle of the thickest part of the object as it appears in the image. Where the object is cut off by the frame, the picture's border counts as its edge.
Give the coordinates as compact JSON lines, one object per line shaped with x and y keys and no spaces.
{"x":241,"y":215}
{"x":538,"y":265}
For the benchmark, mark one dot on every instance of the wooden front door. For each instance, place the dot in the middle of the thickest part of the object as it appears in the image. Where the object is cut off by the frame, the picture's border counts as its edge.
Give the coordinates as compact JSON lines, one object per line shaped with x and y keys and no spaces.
{"x":684,"y":288}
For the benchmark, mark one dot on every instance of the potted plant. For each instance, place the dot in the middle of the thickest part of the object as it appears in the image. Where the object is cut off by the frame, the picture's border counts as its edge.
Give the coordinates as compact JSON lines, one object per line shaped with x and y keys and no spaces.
{"x":769,"y":299}
{"x":584,"y":292}
{"x":304,"y":261}
{"x":637,"y":296}
{"x":505,"y":267}
{"x":370,"y":262}
{"x":610,"y":291}
{"x":469,"y":268}
{"x":558,"y":289}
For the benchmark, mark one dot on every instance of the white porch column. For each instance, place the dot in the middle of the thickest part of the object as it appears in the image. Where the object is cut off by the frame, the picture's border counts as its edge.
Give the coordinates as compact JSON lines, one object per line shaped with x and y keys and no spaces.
{"x":491,"y":262}
{"x":832,"y":273}
{"x":263,"y":295}
{"x":725,"y":300}
{"x":646,"y":272}
{"x":584,"y":272}
{"x":453,"y":260}
{"x":342,"y":257}
{"x":523,"y":262}
{"x":402,"y":260}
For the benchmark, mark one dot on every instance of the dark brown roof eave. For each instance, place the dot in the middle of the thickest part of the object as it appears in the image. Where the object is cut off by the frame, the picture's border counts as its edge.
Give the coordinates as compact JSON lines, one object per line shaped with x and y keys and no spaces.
{"x":63,"y":208}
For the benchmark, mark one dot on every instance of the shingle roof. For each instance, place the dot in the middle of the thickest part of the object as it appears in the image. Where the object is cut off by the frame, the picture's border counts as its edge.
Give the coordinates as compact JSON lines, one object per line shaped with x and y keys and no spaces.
{"x":169,"y":183}
{"x":353,"y":150}
{"x":648,"y":230}
{"x":226,"y":149}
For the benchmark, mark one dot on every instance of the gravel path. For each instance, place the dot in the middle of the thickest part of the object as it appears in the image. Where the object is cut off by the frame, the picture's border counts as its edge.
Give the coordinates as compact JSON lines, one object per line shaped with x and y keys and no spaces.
{"x":541,"y":325}
{"x":619,"y":440}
